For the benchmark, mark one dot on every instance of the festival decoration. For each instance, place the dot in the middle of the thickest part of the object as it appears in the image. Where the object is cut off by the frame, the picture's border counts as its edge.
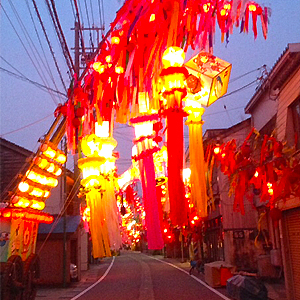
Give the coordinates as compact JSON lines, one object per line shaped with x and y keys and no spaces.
{"x":98,"y":171}
{"x":207,"y":81}
{"x":41,"y":176}
{"x":26,"y":215}
{"x":272,"y":177}
{"x":131,"y":65}
{"x":145,"y":147}
{"x":208,"y":78}
{"x":173,"y":91}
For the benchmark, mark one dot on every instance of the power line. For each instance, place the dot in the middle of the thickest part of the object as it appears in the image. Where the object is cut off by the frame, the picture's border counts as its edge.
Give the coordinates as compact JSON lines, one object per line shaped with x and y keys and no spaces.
{"x":73,"y":10}
{"x":88,"y":19}
{"x":80,"y":30}
{"x":245,"y":74}
{"x":25,"y":49}
{"x":239,"y":89}
{"x":48,"y":69}
{"x":61,"y":36}
{"x":26,"y":126}
{"x":101,"y":10}
{"x":43,"y":87}
{"x":49,"y":44}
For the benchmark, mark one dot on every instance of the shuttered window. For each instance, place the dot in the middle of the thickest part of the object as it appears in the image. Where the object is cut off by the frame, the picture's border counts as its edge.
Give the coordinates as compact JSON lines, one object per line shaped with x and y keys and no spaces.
{"x":293,"y":234}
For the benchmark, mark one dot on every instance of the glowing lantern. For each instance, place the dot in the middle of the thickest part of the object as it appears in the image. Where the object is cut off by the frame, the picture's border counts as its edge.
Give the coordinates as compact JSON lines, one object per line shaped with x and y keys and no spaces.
{"x":186,"y":174}
{"x":209,"y":77}
{"x":144,"y":148}
{"x":217,"y":150}
{"x":98,"y":67}
{"x":23,"y":186}
{"x":97,"y":171}
{"x":152,"y":18}
{"x":173,"y":77}
{"x":39,"y":205}
{"x":174,"y":90}
{"x":90,"y":145}
{"x":119,"y":70}
{"x":173,"y":57}
{"x":86,"y":215}
{"x":115,"y":40}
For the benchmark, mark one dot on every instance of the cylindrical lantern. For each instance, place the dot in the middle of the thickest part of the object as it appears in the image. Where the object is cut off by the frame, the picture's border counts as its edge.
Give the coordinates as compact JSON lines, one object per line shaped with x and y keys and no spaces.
{"x":197,"y":165}
{"x":174,"y":90}
{"x":97,"y":169}
{"x":145,"y":147}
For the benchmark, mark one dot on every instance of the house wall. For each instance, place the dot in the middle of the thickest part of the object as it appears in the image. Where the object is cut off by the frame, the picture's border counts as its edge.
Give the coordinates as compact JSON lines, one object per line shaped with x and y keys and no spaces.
{"x":239,"y":230}
{"x":287,"y":95}
{"x":51,"y":261}
{"x":83,"y":250}
{"x":12,"y":161}
{"x":54,"y":203}
{"x":263,"y":112}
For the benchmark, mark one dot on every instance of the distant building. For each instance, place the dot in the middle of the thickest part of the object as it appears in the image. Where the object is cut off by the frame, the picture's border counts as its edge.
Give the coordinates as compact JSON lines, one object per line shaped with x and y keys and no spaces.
{"x":229,"y":235}
{"x":276,"y":106}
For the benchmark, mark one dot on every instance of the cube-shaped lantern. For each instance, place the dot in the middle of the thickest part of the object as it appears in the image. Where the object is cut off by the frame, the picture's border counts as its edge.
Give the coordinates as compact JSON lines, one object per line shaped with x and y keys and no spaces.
{"x":209,"y":77}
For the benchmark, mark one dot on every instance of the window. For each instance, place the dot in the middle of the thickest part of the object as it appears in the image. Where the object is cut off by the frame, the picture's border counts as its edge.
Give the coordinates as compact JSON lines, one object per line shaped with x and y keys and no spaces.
{"x":295,"y":108}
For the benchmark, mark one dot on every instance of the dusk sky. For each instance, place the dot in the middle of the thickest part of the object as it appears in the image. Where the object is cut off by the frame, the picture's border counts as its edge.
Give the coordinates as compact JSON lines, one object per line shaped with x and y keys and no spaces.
{"x":26,"y":110}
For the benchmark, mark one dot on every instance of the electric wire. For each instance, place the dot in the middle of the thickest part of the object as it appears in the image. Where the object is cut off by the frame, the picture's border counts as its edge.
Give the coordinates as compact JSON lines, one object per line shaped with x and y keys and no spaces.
{"x":12,"y":66}
{"x":247,"y":73}
{"x":91,"y":4}
{"x":102,"y":17}
{"x":80,"y":30}
{"x":80,"y":10}
{"x":61,"y":36}
{"x":26,"y":126}
{"x":239,"y":89}
{"x":54,"y":100}
{"x":24,"y":78}
{"x":73,"y":9}
{"x":49,"y":44}
{"x":28,"y":38}
{"x":89,"y":24}
{"x":48,"y":69}
{"x":93,"y":22}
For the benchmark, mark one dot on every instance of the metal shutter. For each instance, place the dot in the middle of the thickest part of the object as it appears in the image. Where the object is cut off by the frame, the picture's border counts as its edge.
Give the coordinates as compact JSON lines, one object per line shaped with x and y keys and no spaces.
{"x":293,"y":227}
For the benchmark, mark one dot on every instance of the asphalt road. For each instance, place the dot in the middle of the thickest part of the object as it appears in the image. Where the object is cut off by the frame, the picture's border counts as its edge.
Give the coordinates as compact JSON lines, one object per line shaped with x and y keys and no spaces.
{"x":136,"y":276}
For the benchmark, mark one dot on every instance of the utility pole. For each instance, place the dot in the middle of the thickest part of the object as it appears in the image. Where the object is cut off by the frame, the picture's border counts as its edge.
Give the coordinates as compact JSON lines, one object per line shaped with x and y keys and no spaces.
{"x":83,"y":54}
{"x":64,"y":197}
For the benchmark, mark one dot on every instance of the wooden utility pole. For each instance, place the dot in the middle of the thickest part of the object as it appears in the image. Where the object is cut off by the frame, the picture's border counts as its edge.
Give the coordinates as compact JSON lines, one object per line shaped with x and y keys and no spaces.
{"x":84,"y":54}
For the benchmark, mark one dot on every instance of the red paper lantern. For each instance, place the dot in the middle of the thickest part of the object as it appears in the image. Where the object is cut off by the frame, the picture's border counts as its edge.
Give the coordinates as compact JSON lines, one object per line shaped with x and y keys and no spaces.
{"x":76,"y":122}
{"x":79,"y":112}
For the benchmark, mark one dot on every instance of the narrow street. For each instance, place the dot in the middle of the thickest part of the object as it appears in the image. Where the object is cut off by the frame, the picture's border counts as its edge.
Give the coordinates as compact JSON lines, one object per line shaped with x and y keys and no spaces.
{"x":134,"y":275}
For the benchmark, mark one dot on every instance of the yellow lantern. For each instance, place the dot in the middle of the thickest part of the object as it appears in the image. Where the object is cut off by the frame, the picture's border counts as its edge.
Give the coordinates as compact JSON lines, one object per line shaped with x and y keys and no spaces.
{"x":90,"y":145}
{"x":173,"y":57}
{"x":90,"y":167}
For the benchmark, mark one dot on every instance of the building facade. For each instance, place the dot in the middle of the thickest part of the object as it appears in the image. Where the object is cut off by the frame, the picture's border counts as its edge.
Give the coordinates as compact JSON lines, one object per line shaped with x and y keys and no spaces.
{"x":276,"y":105}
